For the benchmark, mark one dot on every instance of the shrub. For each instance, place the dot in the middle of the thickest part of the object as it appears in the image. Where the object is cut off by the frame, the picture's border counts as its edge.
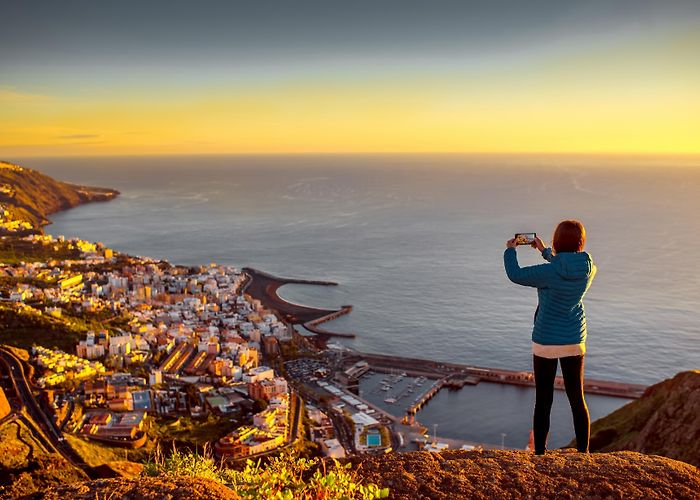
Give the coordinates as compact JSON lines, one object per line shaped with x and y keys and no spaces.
{"x":286,"y":476}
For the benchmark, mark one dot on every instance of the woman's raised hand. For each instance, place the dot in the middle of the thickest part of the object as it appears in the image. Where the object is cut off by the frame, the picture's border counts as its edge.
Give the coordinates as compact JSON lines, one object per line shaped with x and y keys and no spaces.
{"x":538,"y":244}
{"x":511,"y":243}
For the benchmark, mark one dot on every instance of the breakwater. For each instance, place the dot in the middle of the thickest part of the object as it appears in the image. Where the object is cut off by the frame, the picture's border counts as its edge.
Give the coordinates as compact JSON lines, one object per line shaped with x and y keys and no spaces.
{"x":263,"y":287}
{"x":313,"y":327}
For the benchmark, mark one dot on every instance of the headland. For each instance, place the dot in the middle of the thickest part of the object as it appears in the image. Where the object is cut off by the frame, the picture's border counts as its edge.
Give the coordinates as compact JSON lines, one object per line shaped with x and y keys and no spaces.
{"x":28,"y":197}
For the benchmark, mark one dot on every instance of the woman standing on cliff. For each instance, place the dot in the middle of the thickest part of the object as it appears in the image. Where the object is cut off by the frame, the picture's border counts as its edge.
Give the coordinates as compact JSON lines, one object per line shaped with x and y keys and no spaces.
{"x":559,"y":334}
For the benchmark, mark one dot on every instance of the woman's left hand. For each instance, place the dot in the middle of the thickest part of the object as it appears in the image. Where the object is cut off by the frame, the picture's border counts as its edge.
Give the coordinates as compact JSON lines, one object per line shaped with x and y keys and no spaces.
{"x":511,"y":243}
{"x":538,"y":244}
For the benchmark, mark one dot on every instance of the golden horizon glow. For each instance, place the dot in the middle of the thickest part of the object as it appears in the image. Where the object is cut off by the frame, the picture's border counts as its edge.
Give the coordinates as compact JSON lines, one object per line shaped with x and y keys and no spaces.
{"x":634,"y":99}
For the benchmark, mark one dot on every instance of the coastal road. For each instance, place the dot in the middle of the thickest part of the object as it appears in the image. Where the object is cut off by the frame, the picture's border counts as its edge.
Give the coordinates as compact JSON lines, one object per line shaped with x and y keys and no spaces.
{"x":342,"y":429}
{"x":37,"y":421}
{"x":295,"y":421}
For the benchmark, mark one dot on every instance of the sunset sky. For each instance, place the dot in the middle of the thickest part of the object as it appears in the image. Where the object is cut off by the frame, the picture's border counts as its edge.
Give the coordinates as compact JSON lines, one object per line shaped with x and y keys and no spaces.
{"x":87,"y":78}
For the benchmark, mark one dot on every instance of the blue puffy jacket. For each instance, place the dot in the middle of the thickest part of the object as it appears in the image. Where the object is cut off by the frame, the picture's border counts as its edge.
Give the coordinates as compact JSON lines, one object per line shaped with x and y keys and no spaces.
{"x":561,"y":285}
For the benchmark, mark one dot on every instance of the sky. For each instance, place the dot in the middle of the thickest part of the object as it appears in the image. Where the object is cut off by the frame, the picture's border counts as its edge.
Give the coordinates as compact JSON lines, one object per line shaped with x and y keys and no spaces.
{"x":218,"y":77}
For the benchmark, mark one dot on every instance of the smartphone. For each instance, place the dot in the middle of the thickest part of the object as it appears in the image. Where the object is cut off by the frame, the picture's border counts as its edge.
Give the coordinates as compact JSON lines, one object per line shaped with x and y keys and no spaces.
{"x":525,"y":238}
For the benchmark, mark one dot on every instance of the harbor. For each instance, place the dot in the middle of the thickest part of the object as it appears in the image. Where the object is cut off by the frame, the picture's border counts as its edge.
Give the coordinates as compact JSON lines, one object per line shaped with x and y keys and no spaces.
{"x":474,"y":415}
{"x":456,"y":373}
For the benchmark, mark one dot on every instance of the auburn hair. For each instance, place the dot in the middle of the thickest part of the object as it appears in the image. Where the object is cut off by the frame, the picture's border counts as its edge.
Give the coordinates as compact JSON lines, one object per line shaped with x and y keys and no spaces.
{"x":569,"y":236}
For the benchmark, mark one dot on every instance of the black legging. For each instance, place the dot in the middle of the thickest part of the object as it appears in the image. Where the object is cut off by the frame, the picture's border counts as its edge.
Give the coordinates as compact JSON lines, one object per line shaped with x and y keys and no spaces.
{"x":572,"y":371}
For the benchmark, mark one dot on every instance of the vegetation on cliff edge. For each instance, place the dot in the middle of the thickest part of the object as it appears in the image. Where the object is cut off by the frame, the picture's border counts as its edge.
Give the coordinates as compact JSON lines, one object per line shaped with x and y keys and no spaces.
{"x":286,"y":476}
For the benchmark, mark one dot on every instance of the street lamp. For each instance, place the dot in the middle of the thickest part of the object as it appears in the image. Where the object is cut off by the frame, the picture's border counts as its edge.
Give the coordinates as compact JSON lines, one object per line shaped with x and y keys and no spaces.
{"x":503,"y":440}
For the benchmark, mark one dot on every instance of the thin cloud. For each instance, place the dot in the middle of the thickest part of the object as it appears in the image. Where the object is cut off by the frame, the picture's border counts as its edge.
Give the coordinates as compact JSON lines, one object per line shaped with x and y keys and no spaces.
{"x":78,"y":136}
{"x":11,"y":95}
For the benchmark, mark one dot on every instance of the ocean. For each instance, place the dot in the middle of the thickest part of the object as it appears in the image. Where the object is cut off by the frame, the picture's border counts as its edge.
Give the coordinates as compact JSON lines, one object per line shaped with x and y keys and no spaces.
{"x":416,"y":243}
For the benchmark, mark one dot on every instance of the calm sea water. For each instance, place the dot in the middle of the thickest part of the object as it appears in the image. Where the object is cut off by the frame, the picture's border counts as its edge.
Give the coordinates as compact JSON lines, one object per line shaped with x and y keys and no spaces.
{"x":416,"y":244}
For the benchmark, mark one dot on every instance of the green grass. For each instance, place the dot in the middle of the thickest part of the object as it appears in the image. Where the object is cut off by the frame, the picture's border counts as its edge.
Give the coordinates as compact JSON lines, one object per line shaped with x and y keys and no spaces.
{"x":17,"y":446}
{"x":26,"y":467}
{"x":9,"y":283}
{"x":96,"y":454}
{"x":15,"y":250}
{"x":193,"y":431}
{"x":286,"y":476}
{"x":93,"y":453}
{"x":23,"y":328}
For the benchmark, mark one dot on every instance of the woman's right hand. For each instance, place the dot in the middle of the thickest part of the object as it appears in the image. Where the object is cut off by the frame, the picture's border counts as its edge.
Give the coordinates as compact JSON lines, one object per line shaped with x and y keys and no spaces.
{"x":538,"y":244}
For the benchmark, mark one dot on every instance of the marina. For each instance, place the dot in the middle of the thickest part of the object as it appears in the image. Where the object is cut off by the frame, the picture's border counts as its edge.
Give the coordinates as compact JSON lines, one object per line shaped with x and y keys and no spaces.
{"x":457,"y":375}
{"x":475,"y":414}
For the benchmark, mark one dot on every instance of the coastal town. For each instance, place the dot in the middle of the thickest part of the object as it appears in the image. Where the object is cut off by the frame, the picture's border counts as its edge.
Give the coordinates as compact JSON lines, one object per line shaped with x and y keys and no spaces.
{"x":349,"y":250}
{"x":160,"y":352}
{"x":177,"y":342}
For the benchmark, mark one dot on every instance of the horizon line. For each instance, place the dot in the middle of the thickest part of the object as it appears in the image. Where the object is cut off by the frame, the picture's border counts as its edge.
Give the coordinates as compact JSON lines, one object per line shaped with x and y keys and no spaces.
{"x":370,"y":153}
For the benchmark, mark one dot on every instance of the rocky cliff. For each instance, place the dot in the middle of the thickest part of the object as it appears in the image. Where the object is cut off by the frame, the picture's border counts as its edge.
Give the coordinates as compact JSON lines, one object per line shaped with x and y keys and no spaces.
{"x":519,"y":474}
{"x":30,"y":196}
{"x":458,"y":474}
{"x":664,"y":421}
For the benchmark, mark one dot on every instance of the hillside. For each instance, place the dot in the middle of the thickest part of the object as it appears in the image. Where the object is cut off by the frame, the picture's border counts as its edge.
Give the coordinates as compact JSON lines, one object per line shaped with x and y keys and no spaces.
{"x":28,"y":197}
{"x":26,"y":466}
{"x":664,"y":421}
{"x":456,"y":474}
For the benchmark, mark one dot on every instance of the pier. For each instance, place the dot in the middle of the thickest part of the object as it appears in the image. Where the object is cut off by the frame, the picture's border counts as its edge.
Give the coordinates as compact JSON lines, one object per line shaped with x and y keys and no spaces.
{"x":313,"y":327}
{"x":450,"y":381}
{"x":418,"y":403}
{"x":454,"y":372}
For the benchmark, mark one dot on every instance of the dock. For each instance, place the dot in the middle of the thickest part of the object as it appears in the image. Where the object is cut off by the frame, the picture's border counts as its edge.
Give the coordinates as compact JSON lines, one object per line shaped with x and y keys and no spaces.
{"x":427,"y":396}
{"x":450,"y":381}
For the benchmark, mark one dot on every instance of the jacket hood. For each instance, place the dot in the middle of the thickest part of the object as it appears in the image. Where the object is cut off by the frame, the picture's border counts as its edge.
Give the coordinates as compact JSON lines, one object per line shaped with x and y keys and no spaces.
{"x":573,"y":266}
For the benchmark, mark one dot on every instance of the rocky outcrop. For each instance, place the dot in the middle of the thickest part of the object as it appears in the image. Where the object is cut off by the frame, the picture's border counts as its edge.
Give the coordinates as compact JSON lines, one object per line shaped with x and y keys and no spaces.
{"x":146,"y":488}
{"x":39,"y":473}
{"x":664,"y":421}
{"x":499,"y":474}
{"x":513,"y":474}
{"x":491,"y":474}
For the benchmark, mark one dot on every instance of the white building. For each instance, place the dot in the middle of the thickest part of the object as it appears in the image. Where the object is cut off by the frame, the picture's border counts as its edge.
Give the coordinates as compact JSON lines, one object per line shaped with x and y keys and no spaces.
{"x":259,"y":373}
{"x":332,"y":448}
{"x":155,"y":377}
